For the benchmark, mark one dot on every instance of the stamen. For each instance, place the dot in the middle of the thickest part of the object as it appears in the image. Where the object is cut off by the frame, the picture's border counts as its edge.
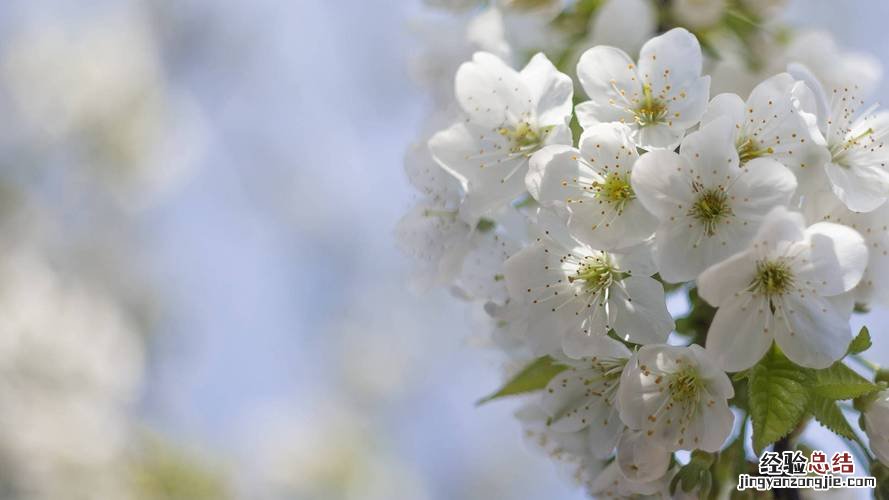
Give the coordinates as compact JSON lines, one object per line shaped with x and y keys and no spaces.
{"x":773,"y":278}
{"x":652,"y":111}
{"x":749,"y":150}
{"x":597,"y":276}
{"x":524,"y":137}
{"x":616,"y":189}
{"x":685,"y":386}
{"x":711,"y":208}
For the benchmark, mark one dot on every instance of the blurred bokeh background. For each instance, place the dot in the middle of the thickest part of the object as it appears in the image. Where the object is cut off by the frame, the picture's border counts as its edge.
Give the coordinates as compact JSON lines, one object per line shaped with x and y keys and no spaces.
{"x":201,"y":294}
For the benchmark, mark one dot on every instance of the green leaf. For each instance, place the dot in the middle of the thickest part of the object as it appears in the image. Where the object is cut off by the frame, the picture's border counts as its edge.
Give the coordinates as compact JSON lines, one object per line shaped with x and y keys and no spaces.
{"x":861,"y":342}
{"x":532,"y":378}
{"x":829,"y":415}
{"x":778,"y":398}
{"x":840,"y":382}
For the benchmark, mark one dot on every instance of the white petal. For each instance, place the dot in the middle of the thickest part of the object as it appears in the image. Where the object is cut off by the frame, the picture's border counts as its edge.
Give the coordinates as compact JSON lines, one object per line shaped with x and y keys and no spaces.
{"x":804,"y":74}
{"x":763,"y":184}
{"x":637,"y":259}
{"x":491,"y":92}
{"x":490,"y":177}
{"x":836,"y":261}
{"x":810,"y":331}
{"x":584,"y":340}
{"x":713,"y":425}
{"x":641,"y":459}
{"x":673,"y":58}
{"x":659,"y":181}
{"x":602,"y":226}
{"x":481,"y":276}
{"x":604,"y":433}
{"x":779,"y":121}
{"x":551,"y":305}
{"x":862,"y":187}
{"x":711,"y":152}
{"x":717,"y":382}
{"x":658,"y":136}
{"x":608,"y":77}
{"x":638,"y":311}
{"x":780,"y":229}
{"x":550,"y":90}
{"x":639,"y":395}
{"x":740,"y":335}
{"x":575,"y":399}
{"x":552,"y":173}
{"x":688,"y":103}
{"x":719,"y":283}
{"x":684,"y":249}
{"x":549,"y":224}
{"x":729,"y":105}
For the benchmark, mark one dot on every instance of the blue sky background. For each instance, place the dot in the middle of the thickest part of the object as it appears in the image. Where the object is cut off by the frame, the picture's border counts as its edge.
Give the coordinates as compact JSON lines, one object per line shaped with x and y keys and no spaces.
{"x":281,"y":247}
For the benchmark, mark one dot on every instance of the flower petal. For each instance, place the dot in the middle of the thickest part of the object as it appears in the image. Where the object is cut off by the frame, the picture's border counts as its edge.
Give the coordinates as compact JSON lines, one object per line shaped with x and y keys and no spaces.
{"x":862,"y":187}
{"x":740,"y":335}
{"x":836,"y":260}
{"x":637,"y":311}
{"x":763,"y":184}
{"x":608,"y":76}
{"x":491,"y":92}
{"x":728,"y":105}
{"x":490,"y":176}
{"x":673,"y":58}
{"x":811,"y":331}
{"x":641,"y":459}
{"x":550,"y":90}
{"x":659,"y":181}
{"x":720,"y":282}
{"x":556,"y":177}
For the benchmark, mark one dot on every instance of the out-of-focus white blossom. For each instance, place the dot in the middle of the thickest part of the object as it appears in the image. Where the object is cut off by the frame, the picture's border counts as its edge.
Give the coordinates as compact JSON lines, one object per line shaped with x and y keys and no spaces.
{"x":876,"y":424}
{"x":96,"y":91}
{"x":70,"y":367}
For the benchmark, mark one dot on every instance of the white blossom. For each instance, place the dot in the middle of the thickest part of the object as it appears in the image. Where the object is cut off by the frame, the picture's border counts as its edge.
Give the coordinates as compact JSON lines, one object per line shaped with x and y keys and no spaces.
{"x":611,"y":483}
{"x":777,"y":121}
{"x":591,"y":188}
{"x":873,"y":227}
{"x":444,"y":44}
{"x":876,"y":425}
{"x":834,"y":67}
{"x":509,"y":116}
{"x":576,"y":295}
{"x":857,"y":170}
{"x":71,"y":363}
{"x":659,"y":99}
{"x":584,"y":397}
{"x":677,"y":396}
{"x":698,"y":13}
{"x":784,"y":286}
{"x":624,"y":24}
{"x":709,"y":205}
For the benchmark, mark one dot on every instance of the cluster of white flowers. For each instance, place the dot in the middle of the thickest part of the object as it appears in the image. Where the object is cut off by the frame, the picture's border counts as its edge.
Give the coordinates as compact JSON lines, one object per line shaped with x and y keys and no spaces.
{"x":71,"y":365}
{"x":772,"y":204}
